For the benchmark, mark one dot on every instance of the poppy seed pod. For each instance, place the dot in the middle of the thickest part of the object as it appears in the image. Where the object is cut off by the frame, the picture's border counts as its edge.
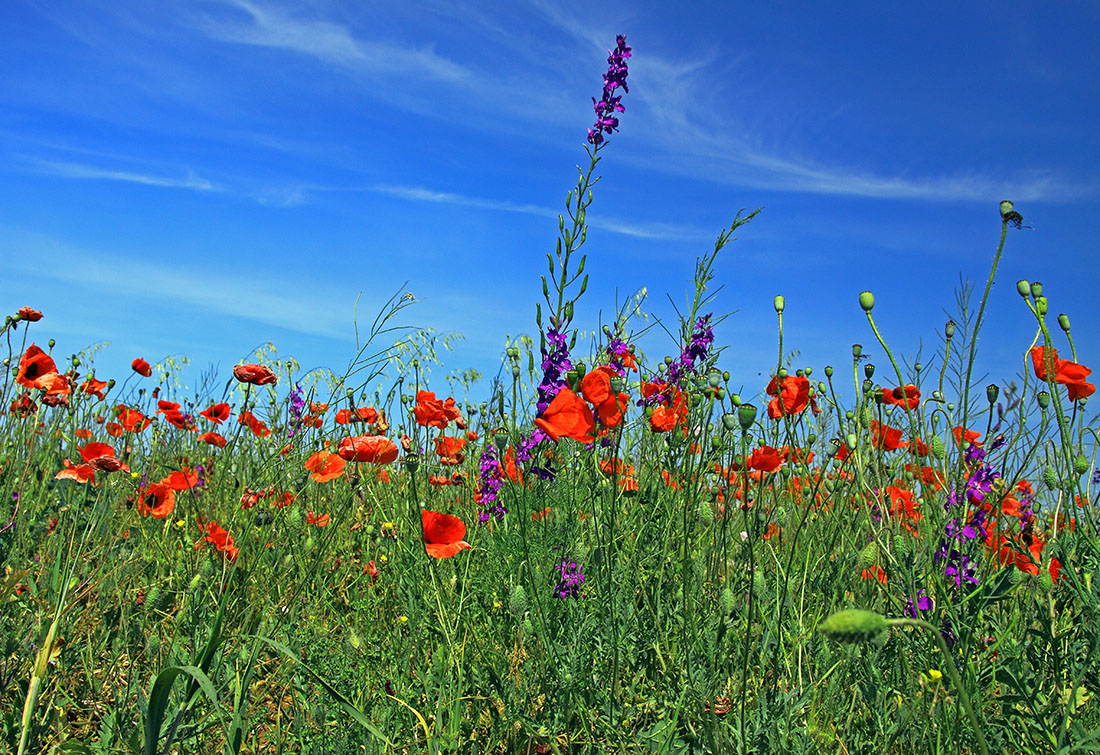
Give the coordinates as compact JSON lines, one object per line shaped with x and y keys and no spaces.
{"x":500,"y":438}
{"x":616,"y":384}
{"x":857,"y":350}
{"x":1041,"y":305}
{"x":1036,"y":289}
{"x":746,"y":416}
{"x":729,"y":420}
{"x":1023,"y":287}
{"x":868,"y":370}
{"x":867,"y":301}
{"x":829,"y":371}
{"x":949,"y":329}
{"x":1044,"y":399}
{"x":779,"y":304}
{"x":1063,"y":322}
{"x":991,"y":393}
{"x":1007,"y":208}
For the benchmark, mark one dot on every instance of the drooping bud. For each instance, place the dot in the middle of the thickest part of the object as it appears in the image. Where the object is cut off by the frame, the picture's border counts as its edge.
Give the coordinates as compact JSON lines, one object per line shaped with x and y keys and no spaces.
{"x":1050,"y":477}
{"x":854,"y":625}
{"x":517,"y":600}
{"x":867,"y":301}
{"x":1081,"y":464}
{"x":939,"y":448}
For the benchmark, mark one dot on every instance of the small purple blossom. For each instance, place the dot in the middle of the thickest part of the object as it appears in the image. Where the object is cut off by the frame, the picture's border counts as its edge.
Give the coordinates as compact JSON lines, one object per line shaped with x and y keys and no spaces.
{"x":555,"y":363}
{"x":609,"y":102}
{"x":702,"y":336}
{"x":571,"y":580}
{"x":297,"y":408}
{"x":492,"y":478}
{"x":919,"y":602}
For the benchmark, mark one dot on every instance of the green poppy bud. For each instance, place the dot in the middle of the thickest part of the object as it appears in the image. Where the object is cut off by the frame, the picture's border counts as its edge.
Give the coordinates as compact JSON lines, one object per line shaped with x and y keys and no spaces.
{"x":735,"y":399}
{"x":1050,"y":477}
{"x":1063,"y":322}
{"x":829,"y":371}
{"x":705,"y":513}
{"x":517,"y":600}
{"x":1023,"y":287}
{"x":866,"y":416}
{"x":949,"y":329}
{"x":854,"y":625}
{"x":937,"y":396}
{"x":52,"y":343}
{"x":811,"y":439}
{"x":918,"y":367}
{"x":1046,"y":580}
{"x":991,"y":393}
{"x":867,"y":301}
{"x":851,"y":441}
{"x":668,"y":361}
{"x":1081,"y":464}
{"x":781,"y":373}
{"x":939,"y":448}
{"x":779,"y":304}
{"x":868,"y":556}
{"x":746,"y":416}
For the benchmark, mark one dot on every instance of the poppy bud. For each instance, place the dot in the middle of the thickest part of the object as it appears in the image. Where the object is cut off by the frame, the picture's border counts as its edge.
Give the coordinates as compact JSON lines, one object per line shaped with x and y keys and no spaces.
{"x":746,"y":416}
{"x":867,"y":301}
{"x":1041,"y":305}
{"x":779,"y":304}
{"x":1063,"y":322}
{"x":51,"y":343}
{"x":726,"y":376}
{"x":991,"y":393}
{"x":110,"y":384}
{"x":1036,"y":289}
{"x":1081,"y":464}
{"x":517,"y":600}
{"x":720,"y":393}
{"x":781,"y":373}
{"x":1023,"y":288}
{"x":939,"y":448}
{"x":668,"y":361}
{"x":735,"y":399}
{"x":1044,"y":399}
{"x":808,"y":371}
{"x":829,"y":371}
{"x":1006,"y":208}
{"x":1050,"y":477}
{"x":937,"y":396}
{"x":857,"y":350}
{"x":851,"y":441}
{"x":949,"y":329}
{"x":854,"y":625}
{"x":868,"y":556}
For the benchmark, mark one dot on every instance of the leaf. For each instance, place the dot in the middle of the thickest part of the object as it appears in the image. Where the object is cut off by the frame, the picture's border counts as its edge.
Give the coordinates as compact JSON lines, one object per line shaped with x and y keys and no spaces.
{"x":158,"y":701}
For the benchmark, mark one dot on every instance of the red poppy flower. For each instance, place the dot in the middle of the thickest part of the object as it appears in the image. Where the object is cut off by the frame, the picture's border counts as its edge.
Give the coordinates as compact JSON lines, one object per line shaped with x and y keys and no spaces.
{"x":1067,"y":373}
{"x":213,"y":439}
{"x":766,"y":459}
{"x":448,"y":447}
{"x":969,"y":436}
{"x":431,"y":412}
{"x":256,"y":425}
{"x":320,"y":520}
{"x":902,"y":502}
{"x":372,"y":570}
{"x":886,"y":438}
{"x":132,"y":420}
{"x":256,"y":374}
{"x":375,"y":449}
{"x":443,"y":534}
{"x":568,"y":416}
{"x":94,"y":387}
{"x":33,"y":365}
{"x":663,"y":419}
{"x":596,"y":389}
{"x":24,"y":406}
{"x":141,"y":367}
{"x":29,"y":315}
{"x":217,"y":413}
{"x":907,"y":397}
{"x":791,"y":397}
{"x":325,"y":466}
{"x":184,"y":479}
{"x":83,"y":474}
{"x":875,"y":572}
{"x":157,"y":500}
{"x":101,"y":456}
{"x":222,"y":540}
{"x":57,"y":387}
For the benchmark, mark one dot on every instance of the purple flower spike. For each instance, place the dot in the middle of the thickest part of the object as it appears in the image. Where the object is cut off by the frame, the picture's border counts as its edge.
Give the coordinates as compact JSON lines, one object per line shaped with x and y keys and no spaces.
{"x":609,"y":102}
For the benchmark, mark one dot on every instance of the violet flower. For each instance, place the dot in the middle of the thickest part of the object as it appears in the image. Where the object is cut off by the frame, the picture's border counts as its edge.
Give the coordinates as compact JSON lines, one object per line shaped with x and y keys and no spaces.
{"x":492,"y":478}
{"x":610,"y":103}
{"x":571,"y":580}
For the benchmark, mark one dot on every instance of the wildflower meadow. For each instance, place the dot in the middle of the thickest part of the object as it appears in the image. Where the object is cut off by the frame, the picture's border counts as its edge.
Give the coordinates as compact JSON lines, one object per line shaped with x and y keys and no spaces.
{"x":614,"y":551}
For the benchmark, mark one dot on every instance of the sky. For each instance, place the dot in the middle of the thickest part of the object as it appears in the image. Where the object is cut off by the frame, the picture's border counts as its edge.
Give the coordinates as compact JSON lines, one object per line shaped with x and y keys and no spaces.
{"x":202,"y":177}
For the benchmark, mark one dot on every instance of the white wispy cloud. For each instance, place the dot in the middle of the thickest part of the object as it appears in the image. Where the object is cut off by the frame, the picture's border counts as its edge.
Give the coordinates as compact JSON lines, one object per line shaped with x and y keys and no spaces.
{"x":190,"y":180}
{"x":658,"y":231}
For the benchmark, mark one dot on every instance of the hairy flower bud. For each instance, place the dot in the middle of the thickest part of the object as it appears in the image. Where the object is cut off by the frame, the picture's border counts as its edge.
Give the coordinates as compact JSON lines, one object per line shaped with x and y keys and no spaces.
{"x":853,"y":625}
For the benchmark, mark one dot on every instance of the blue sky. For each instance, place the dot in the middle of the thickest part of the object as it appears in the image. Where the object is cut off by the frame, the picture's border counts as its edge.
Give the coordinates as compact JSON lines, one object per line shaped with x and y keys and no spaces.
{"x":203,"y":177}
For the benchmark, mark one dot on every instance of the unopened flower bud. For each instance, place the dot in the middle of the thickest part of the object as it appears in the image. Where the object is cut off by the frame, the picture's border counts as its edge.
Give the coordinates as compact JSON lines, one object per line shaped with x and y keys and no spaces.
{"x":735,"y":399}
{"x":854,"y":625}
{"x":726,"y":376}
{"x":779,"y":304}
{"x":949,"y":329}
{"x":867,"y":301}
{"x":1063,"y":322}
{"x":851,"y":440}
{"x":1023,"y":287}
{"x":829,"y":371}
{"x":1050,"y":477}
{"x":52,"y":343}
{"x":1081,"y":464}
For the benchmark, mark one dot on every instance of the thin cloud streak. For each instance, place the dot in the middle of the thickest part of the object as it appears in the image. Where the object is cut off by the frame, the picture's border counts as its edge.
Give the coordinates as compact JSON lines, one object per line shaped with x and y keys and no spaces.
{"x":656,"y":231}
{"x":79,"y":171}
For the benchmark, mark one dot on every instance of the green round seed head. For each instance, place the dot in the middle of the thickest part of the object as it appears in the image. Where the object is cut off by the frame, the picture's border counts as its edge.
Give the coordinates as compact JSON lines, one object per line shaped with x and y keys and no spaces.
{"x":853,"y":625}
{"x":867,"y":301}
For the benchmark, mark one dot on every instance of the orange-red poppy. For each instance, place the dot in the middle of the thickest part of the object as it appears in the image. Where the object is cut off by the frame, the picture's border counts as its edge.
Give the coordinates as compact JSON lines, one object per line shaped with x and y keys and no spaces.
{"x":1067,"y":373}
{"x":885,"y":437}
{"x":222,"y":540}
{"x":29,"y":315}
{"x":83,"y":474}
{"x":102,"y":456}
{"x":968,"y":436}
{"x":443,"y":534}
{"x":256,"y":425}
{"x":875,"y":572}
{"x":431,"y":412}
{"x":568,"y":416}
{"x":320,"y":520}
{"x":596,"y":389}
{"x":256,"y":374}
{"x":448,"y":447}
{"x":375,"y":449}
{"x":792,"y":395}
{"x":213,"y":439}
{"x":157,"y":500}
{"x":132,"y":420}
{"x":324,"y":466}
{"x":907,"y":397}
{"x":183,"y":479}
{"x":902,"y":502}
{"x":33,"y":365}
{"x":766,"y":459}
{"x":141,"y":367}
{"x":217,"y":413}
{"x":94,"y":387}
